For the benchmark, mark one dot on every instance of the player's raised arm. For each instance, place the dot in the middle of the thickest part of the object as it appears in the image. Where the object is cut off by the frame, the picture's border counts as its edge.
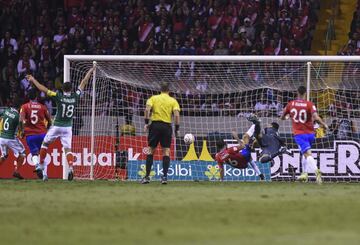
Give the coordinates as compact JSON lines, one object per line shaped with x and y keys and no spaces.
{"x":85,"y":80}
{"x":22,"y":114}
{"x":48,"y":118}
{"x":37,"y":84}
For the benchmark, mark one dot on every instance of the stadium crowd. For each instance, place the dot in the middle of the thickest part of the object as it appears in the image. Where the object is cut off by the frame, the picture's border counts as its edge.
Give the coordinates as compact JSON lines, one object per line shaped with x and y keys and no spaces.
{"x":353,"y":45}
{"x":35,"y":34}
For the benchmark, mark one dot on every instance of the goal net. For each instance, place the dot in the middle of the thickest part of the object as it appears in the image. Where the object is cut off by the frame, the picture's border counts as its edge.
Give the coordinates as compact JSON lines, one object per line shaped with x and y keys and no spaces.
{"x":215,"y":95}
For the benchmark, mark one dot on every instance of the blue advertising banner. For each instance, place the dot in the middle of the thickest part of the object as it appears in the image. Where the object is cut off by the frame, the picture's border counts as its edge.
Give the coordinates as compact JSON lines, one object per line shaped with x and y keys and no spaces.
{"x":197,"y":171}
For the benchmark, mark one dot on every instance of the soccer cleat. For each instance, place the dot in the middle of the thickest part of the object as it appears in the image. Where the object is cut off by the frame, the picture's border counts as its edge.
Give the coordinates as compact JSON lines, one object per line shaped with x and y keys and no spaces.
{"x":17,"y":175}
{"x":318,"y":176}
{"x":262,"y":177}
{"x":253,"y":118}
{"x":145,"y":180}
{"x":303,"y":177}
{"x":39,"y":171}
{"x":45,"y":178}
{"x":70,"y":175}
{"x":163,"y":180}
{"x":283,"y":150}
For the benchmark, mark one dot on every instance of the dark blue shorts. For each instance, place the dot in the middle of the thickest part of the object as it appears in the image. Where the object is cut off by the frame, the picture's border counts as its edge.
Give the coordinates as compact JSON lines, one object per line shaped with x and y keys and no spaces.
{"x":246,"y":153}
{"x":304,"y":141}
{"x":34,"y":142}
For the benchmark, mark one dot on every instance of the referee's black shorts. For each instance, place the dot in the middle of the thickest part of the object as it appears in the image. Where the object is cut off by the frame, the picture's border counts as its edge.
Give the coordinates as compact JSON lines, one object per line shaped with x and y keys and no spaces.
{"x":160,"y":132}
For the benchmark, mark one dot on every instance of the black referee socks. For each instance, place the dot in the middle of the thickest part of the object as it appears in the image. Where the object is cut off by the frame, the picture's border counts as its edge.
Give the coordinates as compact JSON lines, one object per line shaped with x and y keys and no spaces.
{"x":166,"y":164}
{"x":149,"y":163}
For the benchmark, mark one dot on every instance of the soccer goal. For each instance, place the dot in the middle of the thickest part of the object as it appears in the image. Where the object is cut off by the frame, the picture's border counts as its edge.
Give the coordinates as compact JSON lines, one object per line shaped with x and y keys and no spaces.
{"x":215,"y":93}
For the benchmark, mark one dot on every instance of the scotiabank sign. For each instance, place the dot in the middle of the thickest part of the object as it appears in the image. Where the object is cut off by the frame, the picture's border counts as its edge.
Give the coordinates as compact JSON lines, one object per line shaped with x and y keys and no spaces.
{"x":104,"y":156}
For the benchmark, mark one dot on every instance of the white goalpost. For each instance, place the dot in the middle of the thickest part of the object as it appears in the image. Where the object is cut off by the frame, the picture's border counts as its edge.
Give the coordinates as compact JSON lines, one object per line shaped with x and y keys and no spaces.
{"x":215,"y":93}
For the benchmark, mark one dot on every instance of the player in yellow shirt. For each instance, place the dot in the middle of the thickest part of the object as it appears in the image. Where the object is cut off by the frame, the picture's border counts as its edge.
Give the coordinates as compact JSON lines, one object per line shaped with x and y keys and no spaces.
{"x":160,"y":108}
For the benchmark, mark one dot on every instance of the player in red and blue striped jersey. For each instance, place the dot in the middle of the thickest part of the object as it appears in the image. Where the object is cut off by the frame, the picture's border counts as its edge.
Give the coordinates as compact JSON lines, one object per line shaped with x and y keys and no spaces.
{"x":303,"y":113}
{"x":36,"y":120}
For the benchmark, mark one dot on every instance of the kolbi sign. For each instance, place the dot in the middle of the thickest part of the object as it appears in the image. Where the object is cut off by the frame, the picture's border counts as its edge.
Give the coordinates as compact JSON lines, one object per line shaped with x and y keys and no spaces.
{"x":196,"y":170}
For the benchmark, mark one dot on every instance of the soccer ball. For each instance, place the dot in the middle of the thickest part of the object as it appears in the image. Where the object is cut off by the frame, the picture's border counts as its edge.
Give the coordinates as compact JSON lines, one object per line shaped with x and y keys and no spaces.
{"x":189,"y":139}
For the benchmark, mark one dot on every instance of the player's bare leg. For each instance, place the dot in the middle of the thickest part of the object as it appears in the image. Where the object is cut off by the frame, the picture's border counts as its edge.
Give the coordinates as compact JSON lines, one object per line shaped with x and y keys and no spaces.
{"x":70,"y":161}
{"x":149,"y":163}
{"x":19,"y":163}
{"x":166,"y":165}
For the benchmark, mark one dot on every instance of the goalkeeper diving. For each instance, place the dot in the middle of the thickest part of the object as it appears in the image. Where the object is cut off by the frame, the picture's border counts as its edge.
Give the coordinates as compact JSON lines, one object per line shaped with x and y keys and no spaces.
{"x":271,"y":144}
{"x":240,"y":156}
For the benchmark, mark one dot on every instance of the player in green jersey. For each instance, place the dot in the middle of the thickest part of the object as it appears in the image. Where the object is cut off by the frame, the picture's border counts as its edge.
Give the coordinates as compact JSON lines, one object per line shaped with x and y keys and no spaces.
{"x":10,"y":124}
{"x":66,"y":101}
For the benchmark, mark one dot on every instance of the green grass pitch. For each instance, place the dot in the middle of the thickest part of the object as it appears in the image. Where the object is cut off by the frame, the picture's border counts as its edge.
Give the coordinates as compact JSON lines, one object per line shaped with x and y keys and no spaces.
{"x":103,"y":212}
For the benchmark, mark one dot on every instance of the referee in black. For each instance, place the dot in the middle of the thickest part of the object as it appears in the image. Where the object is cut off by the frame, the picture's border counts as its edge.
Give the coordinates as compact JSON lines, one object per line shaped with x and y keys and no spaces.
{"x":160,"y":108}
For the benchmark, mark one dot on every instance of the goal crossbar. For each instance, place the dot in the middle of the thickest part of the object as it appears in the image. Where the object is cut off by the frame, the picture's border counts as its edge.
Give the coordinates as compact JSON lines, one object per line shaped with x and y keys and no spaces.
{"x":212,"y":58}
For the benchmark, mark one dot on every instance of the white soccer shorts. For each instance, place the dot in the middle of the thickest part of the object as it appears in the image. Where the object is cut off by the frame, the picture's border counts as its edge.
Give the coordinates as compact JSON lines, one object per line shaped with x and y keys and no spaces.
{"x":64,"y":133}
{"x":251,"y":131}
{"x":13,"y":144}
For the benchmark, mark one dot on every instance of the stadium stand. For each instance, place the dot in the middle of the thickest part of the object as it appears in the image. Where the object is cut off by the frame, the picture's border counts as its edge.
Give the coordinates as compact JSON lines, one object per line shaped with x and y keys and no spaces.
{"x":352,"y":47}
{"x":35,"y":34}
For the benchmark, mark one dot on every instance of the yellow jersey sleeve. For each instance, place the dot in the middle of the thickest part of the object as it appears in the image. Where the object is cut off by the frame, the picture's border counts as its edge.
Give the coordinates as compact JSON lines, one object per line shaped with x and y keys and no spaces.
{"x":176,"y":106}
{"x":150,"y":102}
{"x":51,"y":93}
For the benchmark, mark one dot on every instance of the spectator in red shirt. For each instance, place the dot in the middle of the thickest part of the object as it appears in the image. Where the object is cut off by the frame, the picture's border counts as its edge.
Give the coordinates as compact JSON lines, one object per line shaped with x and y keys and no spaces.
{"x":74,"y":18}
{"x":210,"y":39}
{"x":178,"y":22}
{"x":236,"y":45}
{"x":145,"y":28}
{"x":298,"y":31}
{"x":68,"y":4}
{"x":215,"y":20}
{"x":203,"y":49}
{"x":293,"y":49}
{"x":270,"y":48}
